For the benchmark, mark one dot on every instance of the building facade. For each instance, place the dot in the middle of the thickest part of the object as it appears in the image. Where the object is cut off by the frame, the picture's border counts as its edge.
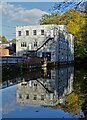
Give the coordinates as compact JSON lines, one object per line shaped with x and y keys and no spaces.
{"x":51,"y":41}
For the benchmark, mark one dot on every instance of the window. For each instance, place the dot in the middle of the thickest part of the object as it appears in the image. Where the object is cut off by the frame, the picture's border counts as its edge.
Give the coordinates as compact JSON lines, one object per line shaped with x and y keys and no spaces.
{"x":53,"y":77}
{"x":27,"y":97}
{"x":35,"y":97}
{"x":42,"y":97}
{"x":27,"y":33}
{"x":20,"y":96}
{"x":35,"y":84}
{"x":35,"y":44}
{"x":42,"y":32}
{"x":34,"y":32}
{"x":19,"y":33}
{"x":53,"y":53}
{"x":23,"y":44}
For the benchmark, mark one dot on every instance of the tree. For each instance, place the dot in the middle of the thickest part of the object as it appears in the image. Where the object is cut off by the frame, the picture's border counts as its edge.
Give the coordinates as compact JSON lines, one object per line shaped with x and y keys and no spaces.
{"x":4,"y":40}
{"x":72,"y":102}
{"x":66,"y":5}
{"x":13,"y":40}
{"x":76,"y":25}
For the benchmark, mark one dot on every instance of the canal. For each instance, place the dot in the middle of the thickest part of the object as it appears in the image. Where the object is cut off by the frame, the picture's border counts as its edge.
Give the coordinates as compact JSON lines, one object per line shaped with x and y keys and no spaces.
{"x":58,"y":92}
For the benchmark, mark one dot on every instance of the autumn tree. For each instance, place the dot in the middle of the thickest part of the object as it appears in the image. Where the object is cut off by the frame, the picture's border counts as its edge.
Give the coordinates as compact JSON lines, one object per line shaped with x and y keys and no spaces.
{"x":76,"y":25}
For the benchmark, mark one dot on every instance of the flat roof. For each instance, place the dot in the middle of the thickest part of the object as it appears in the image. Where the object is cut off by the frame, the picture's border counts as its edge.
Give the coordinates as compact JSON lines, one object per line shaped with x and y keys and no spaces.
{"x":40,"y":25}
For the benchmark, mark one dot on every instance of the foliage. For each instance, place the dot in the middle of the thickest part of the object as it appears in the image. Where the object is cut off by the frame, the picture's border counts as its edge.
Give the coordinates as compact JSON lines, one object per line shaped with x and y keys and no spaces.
{"x":76,"y":25}
{"x":13,"y":40}
{"x":80,"y":86}
{"x":78,"y":98}
{"x":3,"y":39}
{"x":72,"y":102}
{"x":80,"y":82}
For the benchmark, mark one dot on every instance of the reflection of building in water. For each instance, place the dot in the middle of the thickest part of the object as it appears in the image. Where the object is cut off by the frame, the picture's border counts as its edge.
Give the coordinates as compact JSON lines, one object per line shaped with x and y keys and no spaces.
{"x":47,"y":91}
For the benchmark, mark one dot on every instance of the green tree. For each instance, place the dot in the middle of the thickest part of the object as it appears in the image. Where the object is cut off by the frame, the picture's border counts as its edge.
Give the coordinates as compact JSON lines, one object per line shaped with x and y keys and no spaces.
{"x":4,"y":40}
{"x":13,"y":40}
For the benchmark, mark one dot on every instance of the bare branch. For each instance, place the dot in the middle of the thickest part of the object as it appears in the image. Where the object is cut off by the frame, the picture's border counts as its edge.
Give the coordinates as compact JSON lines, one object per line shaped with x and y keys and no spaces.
{"x":62,"y":7}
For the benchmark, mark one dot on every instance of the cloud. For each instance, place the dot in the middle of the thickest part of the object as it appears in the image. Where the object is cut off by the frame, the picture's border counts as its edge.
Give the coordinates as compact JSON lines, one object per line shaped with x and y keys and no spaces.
{"x":20,"y":14}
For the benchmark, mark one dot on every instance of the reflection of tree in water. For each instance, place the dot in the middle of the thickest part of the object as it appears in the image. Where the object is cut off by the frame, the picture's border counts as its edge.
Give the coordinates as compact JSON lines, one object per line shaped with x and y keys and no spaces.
{"x":80,"y":87}
{"x":76,"y":102}
{"x":77,"y":99}
{"x":10,"y":72}
{"x":72,"y":103}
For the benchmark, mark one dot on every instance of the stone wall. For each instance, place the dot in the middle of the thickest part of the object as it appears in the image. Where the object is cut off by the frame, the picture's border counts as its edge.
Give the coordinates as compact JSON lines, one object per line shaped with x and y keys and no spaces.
{"x":60,"y":44}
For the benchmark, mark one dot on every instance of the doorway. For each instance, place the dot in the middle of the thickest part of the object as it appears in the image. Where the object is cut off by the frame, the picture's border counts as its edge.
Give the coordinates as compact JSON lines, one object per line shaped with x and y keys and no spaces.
{"x":46,"y":55}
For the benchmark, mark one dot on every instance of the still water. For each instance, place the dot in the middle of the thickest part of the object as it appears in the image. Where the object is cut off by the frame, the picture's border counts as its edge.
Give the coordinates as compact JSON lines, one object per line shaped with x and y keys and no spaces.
{"x":46,"y":93}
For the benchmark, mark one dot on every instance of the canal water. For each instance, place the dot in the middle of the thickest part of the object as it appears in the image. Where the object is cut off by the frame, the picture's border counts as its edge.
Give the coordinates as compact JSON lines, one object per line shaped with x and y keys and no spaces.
{"x":46,"y":93}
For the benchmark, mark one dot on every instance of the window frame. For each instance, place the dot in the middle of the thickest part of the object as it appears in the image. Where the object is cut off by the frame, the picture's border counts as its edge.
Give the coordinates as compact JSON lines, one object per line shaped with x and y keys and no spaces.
{"x":23,"y":44}
{"x":27,"y":31}
{"x":34,"y":32}
{"x":42,"y":33}
{"x":19,"y":33}
{"x":35,"y":97}
{"x":35,"y":44}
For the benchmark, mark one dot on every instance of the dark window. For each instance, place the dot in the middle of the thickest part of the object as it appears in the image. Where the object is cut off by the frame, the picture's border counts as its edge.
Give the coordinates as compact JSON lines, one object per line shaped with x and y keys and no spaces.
{"x":34,"y":32}
{"x":53,"y":77}
{"x":42,"y":97}
{"x":19,"y":33}
{"x":23,"y":44}
{"x":20,"y":96}
{"x":35,"y":84}
{"x":27,"y":33}
{"x":35,"y":44}
{"x":53,"y":53}
{"x":42,"y":32}
{"x":27,"y":96}
{"x":35,"y":97}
